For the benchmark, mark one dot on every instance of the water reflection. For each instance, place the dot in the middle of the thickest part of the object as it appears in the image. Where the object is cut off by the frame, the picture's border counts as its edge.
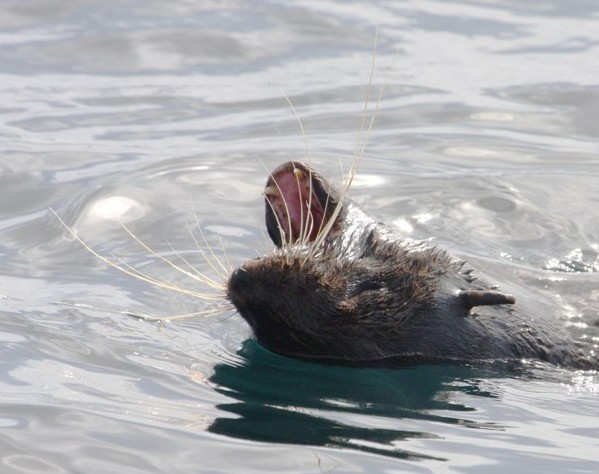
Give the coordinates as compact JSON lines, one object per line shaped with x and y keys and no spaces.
{"x":282,"y":400}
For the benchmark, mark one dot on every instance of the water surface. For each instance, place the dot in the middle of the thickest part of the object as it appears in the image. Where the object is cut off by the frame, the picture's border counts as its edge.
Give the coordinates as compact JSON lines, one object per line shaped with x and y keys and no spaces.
{"x":166,"y":116}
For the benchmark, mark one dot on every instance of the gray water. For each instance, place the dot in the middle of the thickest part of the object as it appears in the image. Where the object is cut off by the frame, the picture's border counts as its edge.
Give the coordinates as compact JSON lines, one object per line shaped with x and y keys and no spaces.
{"x":156,"y":114}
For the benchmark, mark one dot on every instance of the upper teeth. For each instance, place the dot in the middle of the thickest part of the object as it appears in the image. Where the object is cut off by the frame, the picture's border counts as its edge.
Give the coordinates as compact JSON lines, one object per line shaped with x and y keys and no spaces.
{"x":272,"y":191}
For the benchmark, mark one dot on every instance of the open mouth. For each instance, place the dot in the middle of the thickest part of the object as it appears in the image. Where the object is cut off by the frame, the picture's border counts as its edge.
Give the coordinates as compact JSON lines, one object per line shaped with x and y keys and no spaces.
{"x":297,"y":205}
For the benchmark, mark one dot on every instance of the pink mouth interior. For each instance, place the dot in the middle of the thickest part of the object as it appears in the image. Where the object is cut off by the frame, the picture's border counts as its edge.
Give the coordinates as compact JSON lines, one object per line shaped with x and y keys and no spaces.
{"x":294,"y":207}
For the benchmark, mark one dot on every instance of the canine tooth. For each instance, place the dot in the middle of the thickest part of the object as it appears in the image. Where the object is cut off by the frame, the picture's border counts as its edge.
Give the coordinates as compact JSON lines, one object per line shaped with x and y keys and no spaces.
{"x":271,"y":191}
{"x":299,"y":174}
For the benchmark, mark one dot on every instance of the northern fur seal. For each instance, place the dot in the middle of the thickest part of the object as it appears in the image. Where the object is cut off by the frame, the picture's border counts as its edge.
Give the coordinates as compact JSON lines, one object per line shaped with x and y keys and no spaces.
{"x":342,"y":288}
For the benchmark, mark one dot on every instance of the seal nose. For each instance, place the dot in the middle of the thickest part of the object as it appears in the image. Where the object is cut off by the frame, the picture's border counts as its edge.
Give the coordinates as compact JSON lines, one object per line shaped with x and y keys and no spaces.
{"x":239,"y":279}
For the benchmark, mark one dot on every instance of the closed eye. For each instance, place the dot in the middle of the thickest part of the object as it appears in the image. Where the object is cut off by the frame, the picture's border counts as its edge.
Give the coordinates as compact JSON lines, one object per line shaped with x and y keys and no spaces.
{"x":366,"y":285}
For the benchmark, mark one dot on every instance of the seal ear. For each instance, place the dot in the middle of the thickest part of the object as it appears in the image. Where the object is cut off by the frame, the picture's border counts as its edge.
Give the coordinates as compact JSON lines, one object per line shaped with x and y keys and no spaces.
{"x":472,"y":298}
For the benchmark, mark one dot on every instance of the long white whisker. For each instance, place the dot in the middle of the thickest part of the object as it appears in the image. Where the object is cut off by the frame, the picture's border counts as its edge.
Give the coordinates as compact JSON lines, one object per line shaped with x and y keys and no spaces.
{"x":367,"y":101}
{"x":301,"y":125}
{"x":356,"y":162}
{"x":279,"y":225}
{"x":225,"y":254}
{"x":223,"y":271}
{"x":303,"y":237}
{"x":134,"y":272}
{"x":176,"y":317}
{"x":362,"y":140}
{"x":149,"y":317}
{"x":359,"y":151}
{"x":289,"y":241}
{"x":310,"y":226}
{"x":203,"y":278}
{"x":157,"y":255}
{"x":127,"y":269}
{"x":216,"y":268}
{"x":284,"y":242}
{"x":312,"y":249}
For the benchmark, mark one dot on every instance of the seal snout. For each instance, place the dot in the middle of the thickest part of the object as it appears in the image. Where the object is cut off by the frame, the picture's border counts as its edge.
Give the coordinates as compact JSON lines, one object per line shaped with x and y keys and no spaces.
{"x":239,"y":279}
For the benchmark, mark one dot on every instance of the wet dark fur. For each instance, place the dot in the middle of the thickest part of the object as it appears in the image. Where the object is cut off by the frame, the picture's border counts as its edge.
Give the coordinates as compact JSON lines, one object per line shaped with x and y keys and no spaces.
{"x":368,"y":296}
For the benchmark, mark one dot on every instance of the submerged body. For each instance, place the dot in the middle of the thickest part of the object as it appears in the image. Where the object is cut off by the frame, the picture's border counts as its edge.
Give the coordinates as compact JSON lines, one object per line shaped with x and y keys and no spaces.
{"x":343,"y":288}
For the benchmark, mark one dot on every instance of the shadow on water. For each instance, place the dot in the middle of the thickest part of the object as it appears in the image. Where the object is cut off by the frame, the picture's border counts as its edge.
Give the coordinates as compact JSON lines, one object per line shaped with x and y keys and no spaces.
{"x":282,"y":400}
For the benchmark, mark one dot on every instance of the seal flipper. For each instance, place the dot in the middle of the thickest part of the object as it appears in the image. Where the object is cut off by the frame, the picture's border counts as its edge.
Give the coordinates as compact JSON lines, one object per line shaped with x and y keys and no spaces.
{"x":472,"y":298}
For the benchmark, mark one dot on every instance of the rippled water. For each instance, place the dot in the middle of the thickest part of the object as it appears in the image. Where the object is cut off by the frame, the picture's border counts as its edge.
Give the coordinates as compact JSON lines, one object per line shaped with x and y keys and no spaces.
{"x":157,"y":114}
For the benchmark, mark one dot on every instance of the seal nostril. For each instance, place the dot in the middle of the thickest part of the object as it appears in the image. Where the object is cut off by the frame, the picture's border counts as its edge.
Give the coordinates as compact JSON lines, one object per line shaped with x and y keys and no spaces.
{"x":239,"y":279}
